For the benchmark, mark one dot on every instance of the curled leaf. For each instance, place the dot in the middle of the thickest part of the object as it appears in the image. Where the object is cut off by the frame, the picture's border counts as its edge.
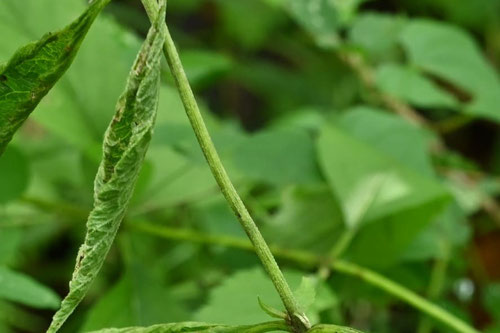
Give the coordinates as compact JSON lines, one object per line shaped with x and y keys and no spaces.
{"x":272,"y":326}
{"x":125,"y":144}
{"x":35,"y":68}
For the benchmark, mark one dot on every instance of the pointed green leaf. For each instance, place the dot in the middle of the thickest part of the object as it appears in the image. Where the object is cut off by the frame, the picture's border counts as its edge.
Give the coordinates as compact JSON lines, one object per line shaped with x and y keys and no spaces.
{"x":125,"y":144}
{"x":22,"y":289}
{"x":35,"y":68}
{"x":270,"y":310}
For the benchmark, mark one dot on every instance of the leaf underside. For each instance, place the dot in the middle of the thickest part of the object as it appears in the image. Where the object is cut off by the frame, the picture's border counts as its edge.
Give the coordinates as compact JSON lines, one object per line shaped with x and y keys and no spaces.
{"x":35,"y":68}
{"x":125,"y":144}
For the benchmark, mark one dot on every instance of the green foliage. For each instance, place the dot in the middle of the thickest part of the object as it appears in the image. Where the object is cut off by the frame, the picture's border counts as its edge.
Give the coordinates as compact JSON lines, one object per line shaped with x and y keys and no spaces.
{"x":22,"y":289}
{"x":363,"y":143}
{"x":450,"y":54}
{"x":14,"y":174}
{"x":125,"y":145}
{"x":34,"y":69}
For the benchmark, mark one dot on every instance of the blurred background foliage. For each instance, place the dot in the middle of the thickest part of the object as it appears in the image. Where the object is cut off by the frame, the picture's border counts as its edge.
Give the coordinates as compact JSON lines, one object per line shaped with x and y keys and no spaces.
{"x":371,"y":122}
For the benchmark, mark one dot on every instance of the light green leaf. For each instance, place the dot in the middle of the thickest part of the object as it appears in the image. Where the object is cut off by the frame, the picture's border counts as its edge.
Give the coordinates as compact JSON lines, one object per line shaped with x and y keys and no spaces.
{"x":35,"y":68}
{"x":249,"y":22}
{"x":266,"y":157}
{"x":14,"y":174}
{"x":306,"y":293}
{"x":125,"y":145}
{"x":23,"y":289}
{"x":377,"y":34}
{"x":374,"y":187}
{"x":451,"y":54}
{"x":390,"y":135}
{"x":309,"y":217}
{"x":319,"y":17}
{"x":137,"y":299}
{"x":411,"y":86}
{"x":235,"y":301}
{"x":203,"y":66}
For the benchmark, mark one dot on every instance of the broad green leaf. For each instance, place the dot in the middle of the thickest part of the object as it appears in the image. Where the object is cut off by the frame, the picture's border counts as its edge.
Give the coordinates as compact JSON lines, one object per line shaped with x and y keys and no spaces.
{"x":125,"y":144}
{"x":249,"y":22}
{"x":390,"y":201}
{"x":34,"y":69}
{"x":236,"y":302}
{"x":203,"y":67}
{"x":377,"y":34}
{"x":266,"y":157}
{"x":14,"y":174}
{"x":306,"y":293}
{"x":391,"y":135}
{"x":319,"y":17}
{"x":411,"y":86}
{"x":449,"y":228}
{"x":23,"y":289}
{"x":309,"y":217}
{"x":137,"y":299}
{"x":451,"y":54}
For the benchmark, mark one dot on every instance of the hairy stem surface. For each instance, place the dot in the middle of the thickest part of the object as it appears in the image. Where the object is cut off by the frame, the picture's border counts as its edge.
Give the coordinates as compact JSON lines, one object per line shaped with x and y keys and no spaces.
{"x":298,"y":319}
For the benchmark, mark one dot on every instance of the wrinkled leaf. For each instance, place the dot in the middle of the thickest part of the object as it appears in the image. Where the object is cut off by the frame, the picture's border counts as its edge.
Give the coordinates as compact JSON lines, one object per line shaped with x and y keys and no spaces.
{"x":35,"y":68}
{"x":199,"y":327}
{"x":23,"y":289}
{"x":125,"y":145}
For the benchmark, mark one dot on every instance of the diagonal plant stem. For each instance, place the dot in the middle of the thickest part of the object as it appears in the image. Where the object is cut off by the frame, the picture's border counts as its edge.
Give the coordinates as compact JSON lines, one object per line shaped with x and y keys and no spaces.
{"x":298,"y":319}
{"x":312,"y":261}
{"x":302,"y":258}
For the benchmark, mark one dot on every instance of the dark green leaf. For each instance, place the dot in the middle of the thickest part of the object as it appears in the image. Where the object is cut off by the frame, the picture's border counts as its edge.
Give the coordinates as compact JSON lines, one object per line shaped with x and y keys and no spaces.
{"x":35,"y":68}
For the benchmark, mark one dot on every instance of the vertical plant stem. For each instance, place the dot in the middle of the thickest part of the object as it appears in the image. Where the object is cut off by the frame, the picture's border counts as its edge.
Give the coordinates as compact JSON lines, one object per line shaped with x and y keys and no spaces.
{"x":298,"y":319}
{"x":436,"y":284}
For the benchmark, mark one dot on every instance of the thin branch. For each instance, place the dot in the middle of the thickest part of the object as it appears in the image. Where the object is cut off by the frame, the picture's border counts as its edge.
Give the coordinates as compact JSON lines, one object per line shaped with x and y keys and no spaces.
{"x":298,"y":319}
{"x":312,"y":261}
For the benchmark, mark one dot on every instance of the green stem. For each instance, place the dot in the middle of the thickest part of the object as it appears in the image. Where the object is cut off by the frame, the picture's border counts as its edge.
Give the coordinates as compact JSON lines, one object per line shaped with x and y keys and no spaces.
{"x":436,"y":284}
{"x":343,"y":243}
{"x":310,"y":260}
{"x":298,"y":318}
